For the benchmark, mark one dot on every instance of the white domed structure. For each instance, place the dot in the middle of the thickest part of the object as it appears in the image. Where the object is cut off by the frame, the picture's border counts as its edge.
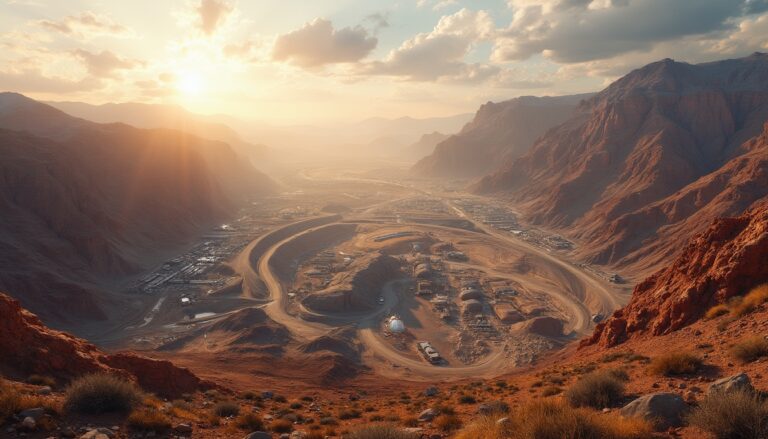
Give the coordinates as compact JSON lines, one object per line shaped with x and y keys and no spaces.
{"x":396,"y":326}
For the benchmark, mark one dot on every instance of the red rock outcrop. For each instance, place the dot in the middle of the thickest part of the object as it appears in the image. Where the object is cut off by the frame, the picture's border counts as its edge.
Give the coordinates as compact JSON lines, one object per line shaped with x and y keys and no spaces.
{"x":726,"y":260}
{"x":647,"y":162}
{"x":29,"y":347}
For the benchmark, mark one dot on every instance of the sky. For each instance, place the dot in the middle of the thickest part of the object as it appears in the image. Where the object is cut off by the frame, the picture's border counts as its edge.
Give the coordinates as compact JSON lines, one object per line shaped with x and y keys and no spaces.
{"x":314,"y":61}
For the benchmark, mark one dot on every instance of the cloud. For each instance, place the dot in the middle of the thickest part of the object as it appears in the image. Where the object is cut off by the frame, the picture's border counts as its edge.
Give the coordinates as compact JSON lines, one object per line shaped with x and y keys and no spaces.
{"x":570,"y":31}
{"x":239,"y":50}
{"x":212,"y":14}
{"x":317,"y":43}
{"x":441,"y":52}
{"x":33,"y":81}
{"x":378,"y":21}
{"x":436,"y":4}
{"x":105,"y":63}
{"x":86,"y":24}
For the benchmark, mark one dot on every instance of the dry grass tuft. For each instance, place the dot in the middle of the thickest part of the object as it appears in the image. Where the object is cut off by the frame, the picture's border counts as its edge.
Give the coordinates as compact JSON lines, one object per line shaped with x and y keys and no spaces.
{"x":675,"y":363}
{"x":148,"y":419}
{"x":733,"y":415}
{"x":226,"y":409}
{"x":249,"y":422}
{"x":101,"y":393}
{"x":281,"y":426}
{"x":554,"y":419}
{"x":756,"y":297}
{"x":598,"y":390}
{"x":750,"y":349}
{"x":447,"y":423}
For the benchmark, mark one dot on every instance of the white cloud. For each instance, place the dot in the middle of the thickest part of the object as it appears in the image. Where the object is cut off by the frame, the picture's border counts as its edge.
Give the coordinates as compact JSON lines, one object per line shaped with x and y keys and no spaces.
{"x":318,"y":43}
{"x":105,"y":63}
{"x":212,"y":14}
{"x":86,"y":24}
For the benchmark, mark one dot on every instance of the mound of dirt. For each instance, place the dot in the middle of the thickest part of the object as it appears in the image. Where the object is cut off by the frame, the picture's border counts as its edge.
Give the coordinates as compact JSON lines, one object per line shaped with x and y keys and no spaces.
{"x":342,"y":341}
{"x":358,"y":288}
{"x":544,"y":326}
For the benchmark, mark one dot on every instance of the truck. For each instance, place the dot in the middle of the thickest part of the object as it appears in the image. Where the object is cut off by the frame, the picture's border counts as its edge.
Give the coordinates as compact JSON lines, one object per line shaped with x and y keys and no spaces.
{"x":430,"y":353}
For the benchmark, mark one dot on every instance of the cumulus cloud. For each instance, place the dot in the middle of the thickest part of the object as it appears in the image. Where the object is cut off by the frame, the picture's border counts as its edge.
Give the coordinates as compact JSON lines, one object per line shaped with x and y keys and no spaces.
{"x":212,"y":14}
{"x":85,"y":24}
{"x":104,"y":64}
{"x":317,"y":43}
{"x":569,"y":31}
{"x":441,"y":52}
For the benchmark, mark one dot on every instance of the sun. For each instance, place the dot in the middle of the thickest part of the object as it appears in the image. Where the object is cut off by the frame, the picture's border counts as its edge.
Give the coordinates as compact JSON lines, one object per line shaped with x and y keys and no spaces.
{"x":190,"y":83}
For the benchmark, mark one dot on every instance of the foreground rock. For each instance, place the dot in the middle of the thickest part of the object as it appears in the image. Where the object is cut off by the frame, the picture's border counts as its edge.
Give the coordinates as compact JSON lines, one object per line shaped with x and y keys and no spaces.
{"x":29,"y":347}
{"x":664,"y":410}
{"x":732,"y":383}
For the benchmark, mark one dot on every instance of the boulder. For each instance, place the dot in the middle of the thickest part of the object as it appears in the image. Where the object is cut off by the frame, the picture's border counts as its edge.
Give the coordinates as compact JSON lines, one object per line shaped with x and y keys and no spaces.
{"x":29,"y":423}
{"x":664,"y":410}
{"x":259,"y":435}
{"x":427,"y":415}
{"x":739,"y":381}
{"x":183,"y":429}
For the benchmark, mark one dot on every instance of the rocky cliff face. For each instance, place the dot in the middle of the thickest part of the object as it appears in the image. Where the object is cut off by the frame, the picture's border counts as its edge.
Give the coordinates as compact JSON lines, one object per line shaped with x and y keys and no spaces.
{"x":650,"y":159}
{"x":85,"y":203}
{"x":29,"y":347}
{"x":499,"y":131}
{"x":727,"y":260}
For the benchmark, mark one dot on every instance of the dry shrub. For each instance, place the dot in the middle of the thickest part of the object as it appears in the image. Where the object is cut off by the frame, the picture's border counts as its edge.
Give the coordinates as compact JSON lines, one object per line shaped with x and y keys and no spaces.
{"x":410,"y":422}
{"x":756,"y":297}
{"x":750,"y":349}
{"x":381,"y":432}
{"x":675,"y":363}
{"x":447,"y":423}
{"x":717,"y":311}
{"x":225,"y":409}
{"x":101,"y":393}
{"x":281,"y":426}
{"x":148,"y":419}
{"x":249,"y":422}
{"x":554,"y":419}
{"x":598,"y":390}
{"x":738,"y":414}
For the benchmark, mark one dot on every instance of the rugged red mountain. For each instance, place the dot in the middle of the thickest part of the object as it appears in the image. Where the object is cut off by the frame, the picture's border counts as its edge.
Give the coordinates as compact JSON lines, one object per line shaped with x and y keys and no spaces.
{"x":86,"y":204}
{"x":726,"y":260}
{"x":29,"y":347}
{"x":498,"y":131}
{"x":648,"y":161}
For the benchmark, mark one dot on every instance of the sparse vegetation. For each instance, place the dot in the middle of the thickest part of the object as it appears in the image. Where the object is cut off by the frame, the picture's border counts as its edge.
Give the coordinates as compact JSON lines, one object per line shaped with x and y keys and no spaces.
{"x":598,"y":390}
{"x":467,"y":399}
{"x":553,"y":419}
{"x":281,"y":426}
{"x":148,"y":419}
{"x":381,"y":432}
{"x":740,"y":306}
{"x":675,"y":363}
{"x":249,"y":422}
{"x":349,"y":414}
{"x":737,"y":414}
{"x":750,"y":349}
{"x":226,"y":409}
{"x":101,"y":393}
{"x":447,"y":423}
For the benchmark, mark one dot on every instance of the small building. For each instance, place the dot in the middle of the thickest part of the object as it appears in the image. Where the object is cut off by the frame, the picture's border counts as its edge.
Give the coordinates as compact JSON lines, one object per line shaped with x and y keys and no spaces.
{"x":395,"y":325}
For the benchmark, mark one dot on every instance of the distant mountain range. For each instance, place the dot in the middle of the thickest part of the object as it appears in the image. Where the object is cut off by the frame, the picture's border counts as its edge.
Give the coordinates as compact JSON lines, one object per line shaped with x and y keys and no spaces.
{"x":648,"y":161}
{"x":86,"y":203}
{"x":498,"y":132}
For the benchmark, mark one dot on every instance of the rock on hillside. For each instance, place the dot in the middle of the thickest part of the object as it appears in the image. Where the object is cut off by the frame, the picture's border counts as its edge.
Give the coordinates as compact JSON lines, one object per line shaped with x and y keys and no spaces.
{"x":727,"y":260}
{"x":650,"y":160}
{"x":29,"y":347}
{"x":499,"y":131}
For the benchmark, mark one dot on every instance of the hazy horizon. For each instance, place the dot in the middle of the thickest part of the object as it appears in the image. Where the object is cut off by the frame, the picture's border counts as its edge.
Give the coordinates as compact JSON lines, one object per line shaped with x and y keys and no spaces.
{"x":288,"y":63}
